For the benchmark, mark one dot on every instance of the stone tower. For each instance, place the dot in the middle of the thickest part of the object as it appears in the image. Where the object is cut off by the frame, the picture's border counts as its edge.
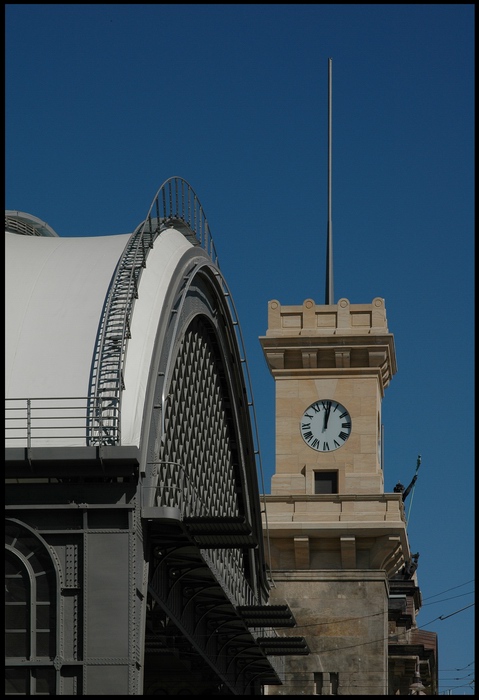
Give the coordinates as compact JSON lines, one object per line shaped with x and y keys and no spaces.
{"x":335,"y":538}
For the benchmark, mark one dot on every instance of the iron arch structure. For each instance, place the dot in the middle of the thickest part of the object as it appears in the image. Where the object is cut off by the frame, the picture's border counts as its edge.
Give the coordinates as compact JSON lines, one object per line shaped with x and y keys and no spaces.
{"x":131,"y":450}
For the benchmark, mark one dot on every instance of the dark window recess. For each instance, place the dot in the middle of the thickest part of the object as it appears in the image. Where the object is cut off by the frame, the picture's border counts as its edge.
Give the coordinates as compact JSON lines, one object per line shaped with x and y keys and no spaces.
{"x":325,"y":482}
{"x":326,"y":683}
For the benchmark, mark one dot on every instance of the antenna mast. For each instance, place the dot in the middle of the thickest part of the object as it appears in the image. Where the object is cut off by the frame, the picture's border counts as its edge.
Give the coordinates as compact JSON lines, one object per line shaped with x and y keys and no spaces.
{"x":329,"y":244}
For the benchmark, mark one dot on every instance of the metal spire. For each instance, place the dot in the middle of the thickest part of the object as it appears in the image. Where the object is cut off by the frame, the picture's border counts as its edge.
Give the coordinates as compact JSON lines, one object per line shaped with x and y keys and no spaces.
{"x":329,"y":244}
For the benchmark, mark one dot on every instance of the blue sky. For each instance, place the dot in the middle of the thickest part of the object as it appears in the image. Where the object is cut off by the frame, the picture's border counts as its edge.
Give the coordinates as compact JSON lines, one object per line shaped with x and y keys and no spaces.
{"x":105,"y":102}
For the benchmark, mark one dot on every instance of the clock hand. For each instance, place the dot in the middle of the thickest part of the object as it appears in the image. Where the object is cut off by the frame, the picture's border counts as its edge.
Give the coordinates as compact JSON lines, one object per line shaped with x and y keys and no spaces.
{"x":326,"y":417}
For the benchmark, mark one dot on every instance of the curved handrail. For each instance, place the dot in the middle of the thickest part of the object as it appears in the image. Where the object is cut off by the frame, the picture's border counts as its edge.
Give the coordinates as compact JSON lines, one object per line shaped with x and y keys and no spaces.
{"x":26,"y":224}
{"x":175,"y":202}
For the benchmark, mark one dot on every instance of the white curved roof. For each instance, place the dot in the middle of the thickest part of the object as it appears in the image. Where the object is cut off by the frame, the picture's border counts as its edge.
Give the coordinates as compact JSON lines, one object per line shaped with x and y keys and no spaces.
{"x":55,"y":292}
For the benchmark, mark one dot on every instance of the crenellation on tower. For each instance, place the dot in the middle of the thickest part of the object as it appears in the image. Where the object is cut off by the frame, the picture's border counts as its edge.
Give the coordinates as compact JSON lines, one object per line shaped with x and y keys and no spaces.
{"x":352,"y":338}
{"x":325,"y":319}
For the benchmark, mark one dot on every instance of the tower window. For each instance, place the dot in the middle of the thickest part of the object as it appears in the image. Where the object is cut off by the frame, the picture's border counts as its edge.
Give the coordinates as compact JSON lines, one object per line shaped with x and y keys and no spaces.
{"x":326,"y":683}
{"x":325,"y":482}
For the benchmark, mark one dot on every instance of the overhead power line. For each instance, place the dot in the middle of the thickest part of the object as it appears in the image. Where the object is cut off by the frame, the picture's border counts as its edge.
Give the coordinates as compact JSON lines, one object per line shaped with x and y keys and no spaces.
{"x":449,"y":589}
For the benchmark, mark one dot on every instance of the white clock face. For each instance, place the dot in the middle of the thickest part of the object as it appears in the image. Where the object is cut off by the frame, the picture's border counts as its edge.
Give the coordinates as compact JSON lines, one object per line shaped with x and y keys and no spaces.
{"x":325,"y":425}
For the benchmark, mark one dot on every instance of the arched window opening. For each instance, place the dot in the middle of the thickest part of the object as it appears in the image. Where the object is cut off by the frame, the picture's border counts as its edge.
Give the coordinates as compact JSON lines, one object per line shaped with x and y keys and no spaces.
{"x":30,"y":613}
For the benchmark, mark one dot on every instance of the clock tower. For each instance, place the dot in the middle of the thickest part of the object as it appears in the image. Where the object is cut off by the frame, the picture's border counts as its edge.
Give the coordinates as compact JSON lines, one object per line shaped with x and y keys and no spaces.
{"x":331,"y":364}
{"x":334,"y":538}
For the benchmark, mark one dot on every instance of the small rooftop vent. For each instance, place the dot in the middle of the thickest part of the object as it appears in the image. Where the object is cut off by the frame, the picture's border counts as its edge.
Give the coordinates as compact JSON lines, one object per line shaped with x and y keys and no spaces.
{"x":27,"y":225}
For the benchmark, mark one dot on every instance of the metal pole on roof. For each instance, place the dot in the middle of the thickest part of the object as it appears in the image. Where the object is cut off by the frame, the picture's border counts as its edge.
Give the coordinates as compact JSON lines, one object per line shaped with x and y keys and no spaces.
{"x":418,"y":464}
{"x":329,"y":244}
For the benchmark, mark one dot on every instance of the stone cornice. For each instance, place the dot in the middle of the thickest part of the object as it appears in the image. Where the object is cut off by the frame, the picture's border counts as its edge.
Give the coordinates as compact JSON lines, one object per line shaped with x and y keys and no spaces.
{"x":330,"y":340}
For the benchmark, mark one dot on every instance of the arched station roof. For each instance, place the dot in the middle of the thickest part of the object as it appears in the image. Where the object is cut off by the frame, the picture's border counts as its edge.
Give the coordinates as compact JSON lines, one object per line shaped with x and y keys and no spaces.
{"x":56,"y":290}
{"x":61,"y":294}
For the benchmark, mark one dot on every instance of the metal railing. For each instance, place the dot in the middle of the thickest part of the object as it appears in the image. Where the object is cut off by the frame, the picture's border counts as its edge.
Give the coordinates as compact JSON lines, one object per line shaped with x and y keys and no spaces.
{"x":58,"y":421}
{"x":175,"y":202}
{"x":22,"y":227}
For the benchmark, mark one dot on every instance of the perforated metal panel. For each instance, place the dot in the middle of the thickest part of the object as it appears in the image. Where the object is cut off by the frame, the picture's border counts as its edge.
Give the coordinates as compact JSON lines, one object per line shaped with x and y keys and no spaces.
{"x":199,"y":436}
{"x":197,"y":425}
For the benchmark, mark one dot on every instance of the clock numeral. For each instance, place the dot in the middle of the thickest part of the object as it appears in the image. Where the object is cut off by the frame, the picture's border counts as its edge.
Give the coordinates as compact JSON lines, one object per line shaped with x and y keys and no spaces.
{"x":316,"y":407}
{"x":337,"y":444}
{"x":346,"y":425}
{"x":325,"y":446}
{"x":305,"y":426}
{"x":310,"y":439}
{"x":343,"y":435}
{"x":343,"y":414}
{"x":326,"y":404}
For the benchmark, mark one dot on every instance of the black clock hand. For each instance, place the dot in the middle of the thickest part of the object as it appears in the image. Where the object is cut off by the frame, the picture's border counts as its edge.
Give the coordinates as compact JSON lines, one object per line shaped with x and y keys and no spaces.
{"x":326,"y":416}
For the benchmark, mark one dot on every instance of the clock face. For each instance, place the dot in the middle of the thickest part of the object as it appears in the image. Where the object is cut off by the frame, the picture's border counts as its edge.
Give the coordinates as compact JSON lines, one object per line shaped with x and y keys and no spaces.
{"x":325,"y":425}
